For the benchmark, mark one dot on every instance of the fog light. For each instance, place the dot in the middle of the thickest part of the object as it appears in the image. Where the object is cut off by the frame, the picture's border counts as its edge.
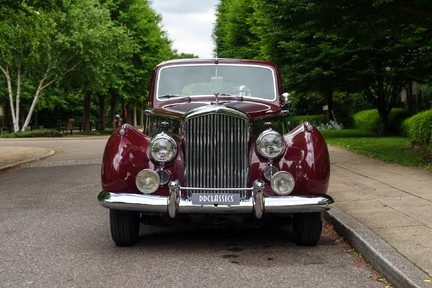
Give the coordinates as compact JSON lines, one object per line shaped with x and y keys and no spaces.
{"x":269,"y":171}
{"x":147,"y":181}
{"x":164,"y":176}
{"x":282,"y":183}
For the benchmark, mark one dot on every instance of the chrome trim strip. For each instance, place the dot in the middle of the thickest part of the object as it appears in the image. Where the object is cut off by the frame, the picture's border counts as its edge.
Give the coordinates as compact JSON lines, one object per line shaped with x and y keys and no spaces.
{"x":215,"y":189}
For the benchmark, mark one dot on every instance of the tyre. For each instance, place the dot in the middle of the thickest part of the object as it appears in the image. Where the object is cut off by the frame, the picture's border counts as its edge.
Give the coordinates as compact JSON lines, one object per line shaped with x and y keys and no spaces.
{"x":124,"y":227}
{"x":307,"y":228}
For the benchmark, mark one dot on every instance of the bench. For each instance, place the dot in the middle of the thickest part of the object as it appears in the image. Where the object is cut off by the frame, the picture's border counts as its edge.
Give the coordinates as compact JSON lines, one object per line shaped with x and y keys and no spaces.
{"x":69,"y":126}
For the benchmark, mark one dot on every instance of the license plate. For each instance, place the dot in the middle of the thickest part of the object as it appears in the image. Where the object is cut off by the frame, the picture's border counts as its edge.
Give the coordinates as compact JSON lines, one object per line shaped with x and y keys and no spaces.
{"x":213,"y":198}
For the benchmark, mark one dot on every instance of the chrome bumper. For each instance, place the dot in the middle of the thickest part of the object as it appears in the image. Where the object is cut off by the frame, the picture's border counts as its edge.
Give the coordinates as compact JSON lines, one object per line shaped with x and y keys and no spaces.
{"x":174,"y":204}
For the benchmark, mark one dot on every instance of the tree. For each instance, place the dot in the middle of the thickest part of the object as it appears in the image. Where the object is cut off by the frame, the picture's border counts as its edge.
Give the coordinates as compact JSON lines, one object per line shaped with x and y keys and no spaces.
{"x":232,"y":32}
{"x":26,"y":34}
{"x":102,"y":48}
{"x":43,"y":41}
{"x":153,"y":46}
{"x":355,"y":46}
{"x":374,"y":48}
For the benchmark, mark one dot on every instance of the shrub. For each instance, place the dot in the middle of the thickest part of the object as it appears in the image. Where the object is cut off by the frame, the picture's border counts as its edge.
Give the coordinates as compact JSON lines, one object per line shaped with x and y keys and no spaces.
{"x":315,"y":120}
{"x":419,"y":128}
{"x":367,"y":120}
{"x":35,"y":133}
{"x":370,"y":120}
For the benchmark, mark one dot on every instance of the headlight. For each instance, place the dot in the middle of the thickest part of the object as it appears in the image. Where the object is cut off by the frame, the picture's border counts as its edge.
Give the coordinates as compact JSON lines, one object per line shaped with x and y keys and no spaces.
{"x":147,"y":181}
{"x":270,"y":144}
{"x":282,"y":183}
{"x":163,"y":148}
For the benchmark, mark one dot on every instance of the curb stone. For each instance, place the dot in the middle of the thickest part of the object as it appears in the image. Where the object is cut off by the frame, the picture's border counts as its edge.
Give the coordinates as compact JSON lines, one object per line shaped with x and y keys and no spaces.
{"x":15,"y":164}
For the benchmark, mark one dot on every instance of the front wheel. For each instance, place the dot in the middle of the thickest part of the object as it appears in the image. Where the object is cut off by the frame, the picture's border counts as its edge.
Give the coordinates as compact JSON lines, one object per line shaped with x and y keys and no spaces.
{"x":124,"y":227}
{"x":307,"y":228}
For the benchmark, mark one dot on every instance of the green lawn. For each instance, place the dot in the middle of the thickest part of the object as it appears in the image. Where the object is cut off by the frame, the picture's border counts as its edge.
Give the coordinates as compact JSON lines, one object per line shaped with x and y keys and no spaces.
{"x":394,"y":149}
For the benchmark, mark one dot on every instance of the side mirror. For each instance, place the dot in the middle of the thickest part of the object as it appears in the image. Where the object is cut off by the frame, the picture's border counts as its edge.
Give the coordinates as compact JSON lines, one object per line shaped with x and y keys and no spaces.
{"x":284,"y":99}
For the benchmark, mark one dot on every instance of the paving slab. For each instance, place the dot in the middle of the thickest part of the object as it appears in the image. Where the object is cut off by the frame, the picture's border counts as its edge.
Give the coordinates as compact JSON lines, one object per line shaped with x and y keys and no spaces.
{"x":392,"y":202}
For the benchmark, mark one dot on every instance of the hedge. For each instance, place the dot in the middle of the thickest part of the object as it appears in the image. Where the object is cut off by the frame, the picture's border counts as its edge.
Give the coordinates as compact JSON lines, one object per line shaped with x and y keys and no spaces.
{"x":419,"y":128}
{"x":370,"y":120}
{"x":34,"y":133}
{"x":315,"y":120}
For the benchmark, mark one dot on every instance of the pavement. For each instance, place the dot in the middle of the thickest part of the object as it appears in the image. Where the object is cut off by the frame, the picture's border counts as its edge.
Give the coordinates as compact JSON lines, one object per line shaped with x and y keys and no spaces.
{"x":383,"y":210}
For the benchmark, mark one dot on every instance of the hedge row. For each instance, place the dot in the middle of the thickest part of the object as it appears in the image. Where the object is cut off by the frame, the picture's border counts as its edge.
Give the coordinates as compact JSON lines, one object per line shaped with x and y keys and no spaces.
{"x":419,"y":128}
{"x":315,"y":120}
{"x":370,"y":120}
{"x":34,"y":133}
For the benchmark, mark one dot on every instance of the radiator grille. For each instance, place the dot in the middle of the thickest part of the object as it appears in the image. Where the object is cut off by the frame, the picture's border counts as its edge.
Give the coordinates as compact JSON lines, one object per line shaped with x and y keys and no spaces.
{"x":216,"y":152}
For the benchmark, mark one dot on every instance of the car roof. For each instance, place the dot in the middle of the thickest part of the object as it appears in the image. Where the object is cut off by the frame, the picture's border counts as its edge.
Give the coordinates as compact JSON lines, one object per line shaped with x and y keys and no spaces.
{"x":215,"y":61}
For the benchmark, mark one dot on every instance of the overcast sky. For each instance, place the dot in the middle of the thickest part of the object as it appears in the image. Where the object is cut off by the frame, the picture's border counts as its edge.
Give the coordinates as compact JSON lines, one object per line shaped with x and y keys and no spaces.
{"x":189,"y":24}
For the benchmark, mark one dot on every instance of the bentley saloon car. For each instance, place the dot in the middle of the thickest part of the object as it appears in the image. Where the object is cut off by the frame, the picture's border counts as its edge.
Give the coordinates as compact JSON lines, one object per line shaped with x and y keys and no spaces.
{"x":217,"y":148}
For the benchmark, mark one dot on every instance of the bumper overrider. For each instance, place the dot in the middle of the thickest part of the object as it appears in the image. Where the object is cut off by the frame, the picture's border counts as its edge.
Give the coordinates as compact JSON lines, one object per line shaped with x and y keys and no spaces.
{"x":175,"y":204}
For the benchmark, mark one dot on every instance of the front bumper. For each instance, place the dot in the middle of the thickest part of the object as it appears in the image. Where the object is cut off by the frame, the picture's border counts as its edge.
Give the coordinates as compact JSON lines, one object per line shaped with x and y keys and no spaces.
{"x":174,"y":203}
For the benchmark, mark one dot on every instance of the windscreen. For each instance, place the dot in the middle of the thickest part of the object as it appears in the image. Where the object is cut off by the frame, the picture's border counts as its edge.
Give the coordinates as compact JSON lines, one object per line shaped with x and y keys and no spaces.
{"x":200,"y":80}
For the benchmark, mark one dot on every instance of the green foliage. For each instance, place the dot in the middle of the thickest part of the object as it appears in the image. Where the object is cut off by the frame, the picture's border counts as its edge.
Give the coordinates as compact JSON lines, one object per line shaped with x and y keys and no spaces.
{"x":151,"y":46}
{"x":96,"y":132}
{"x":34,"y":133}
{"x":335,"y":45}
{"x":305,"y":103}
{"x":419,"y":128}
{"x":370,"y":120}
{"x":76,"y":48}
{"x":391,"y":149}
{"x":313,"y":119}
{"x":344,"y":105}
{"x":233,"y":31}
{"x":367,"y":119}
{"x":426,"y":90}
{"x":348,"y":133}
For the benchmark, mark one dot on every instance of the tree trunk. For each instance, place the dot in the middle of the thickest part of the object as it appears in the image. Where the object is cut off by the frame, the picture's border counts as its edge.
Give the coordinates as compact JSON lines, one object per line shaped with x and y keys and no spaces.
{"x":113,"y":104}
{"x":134,"y":116}
{"x":15,"y":120}
{"x":384,"y":122}
{"x":328,"y":108}
{"x":126,"y":114}
{"x":18,"y":99}
{"x":42,"y":85}
{"x":101,"y":122}
{"x":86,"y":114}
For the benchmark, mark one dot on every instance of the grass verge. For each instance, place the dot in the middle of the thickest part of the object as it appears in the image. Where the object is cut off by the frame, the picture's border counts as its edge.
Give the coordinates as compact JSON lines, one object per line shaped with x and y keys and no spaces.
{"x":54,"y":133}
{"x":394,"y":149}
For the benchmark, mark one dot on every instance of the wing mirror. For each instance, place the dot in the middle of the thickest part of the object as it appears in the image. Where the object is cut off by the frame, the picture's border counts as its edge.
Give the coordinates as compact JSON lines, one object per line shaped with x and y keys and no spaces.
{"x":284,"y":99}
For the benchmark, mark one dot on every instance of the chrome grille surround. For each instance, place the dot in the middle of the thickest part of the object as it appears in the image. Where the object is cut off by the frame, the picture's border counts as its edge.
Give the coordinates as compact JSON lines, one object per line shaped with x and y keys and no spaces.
{"x":216,"y":150}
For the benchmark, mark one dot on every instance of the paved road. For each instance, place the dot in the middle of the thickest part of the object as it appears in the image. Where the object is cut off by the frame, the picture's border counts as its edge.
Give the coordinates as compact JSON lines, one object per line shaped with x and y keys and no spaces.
{"x":53,"y":233}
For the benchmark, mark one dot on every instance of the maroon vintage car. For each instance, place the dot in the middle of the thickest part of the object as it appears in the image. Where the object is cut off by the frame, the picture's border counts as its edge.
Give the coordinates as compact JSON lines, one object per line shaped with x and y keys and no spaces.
{"x":216,"y":148}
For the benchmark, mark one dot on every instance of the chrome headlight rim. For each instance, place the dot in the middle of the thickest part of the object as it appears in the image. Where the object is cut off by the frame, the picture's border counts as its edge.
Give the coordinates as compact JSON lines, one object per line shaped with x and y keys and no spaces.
{"x":289,"y":180}
{"x":155,"y":146}
{"x":147,"y":181}
{"x":260,"y":144}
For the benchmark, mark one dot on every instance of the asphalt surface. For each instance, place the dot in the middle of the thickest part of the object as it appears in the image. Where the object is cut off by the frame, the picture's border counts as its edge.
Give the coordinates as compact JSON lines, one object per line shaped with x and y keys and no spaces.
{"x":383,"y":210}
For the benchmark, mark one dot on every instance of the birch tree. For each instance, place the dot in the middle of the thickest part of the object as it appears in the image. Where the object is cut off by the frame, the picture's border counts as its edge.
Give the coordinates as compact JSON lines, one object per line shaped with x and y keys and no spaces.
{"x":46,"y":41}
{"x":25,"y":36}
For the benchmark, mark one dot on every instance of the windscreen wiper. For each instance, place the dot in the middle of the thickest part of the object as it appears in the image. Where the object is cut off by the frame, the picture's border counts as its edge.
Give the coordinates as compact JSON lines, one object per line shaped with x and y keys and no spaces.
{"x":167,"y":96}
{"x":178,"y":96}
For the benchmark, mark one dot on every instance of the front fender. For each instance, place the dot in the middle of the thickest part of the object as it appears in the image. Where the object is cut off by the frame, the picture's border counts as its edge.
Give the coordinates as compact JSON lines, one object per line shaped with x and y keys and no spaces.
{"x":124,"y":156}
{"x":306,"y":158}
